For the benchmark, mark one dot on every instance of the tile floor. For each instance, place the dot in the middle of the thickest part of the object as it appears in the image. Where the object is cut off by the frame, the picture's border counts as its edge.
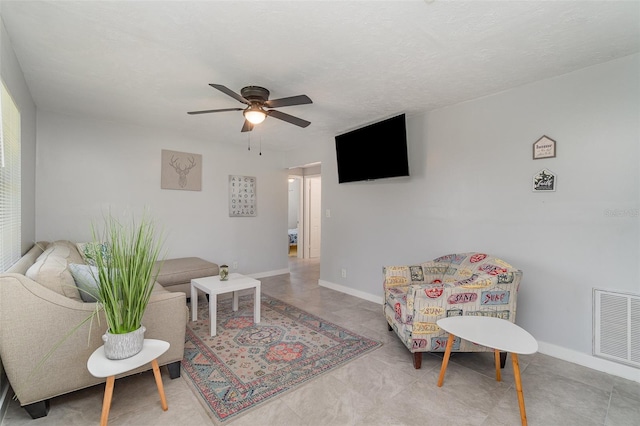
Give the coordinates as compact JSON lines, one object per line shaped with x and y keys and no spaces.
{"x":380,"y":388}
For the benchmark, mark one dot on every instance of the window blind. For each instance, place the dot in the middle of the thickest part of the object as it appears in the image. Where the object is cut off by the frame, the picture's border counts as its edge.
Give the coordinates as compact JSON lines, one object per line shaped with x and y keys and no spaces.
{"x":10,"y":188}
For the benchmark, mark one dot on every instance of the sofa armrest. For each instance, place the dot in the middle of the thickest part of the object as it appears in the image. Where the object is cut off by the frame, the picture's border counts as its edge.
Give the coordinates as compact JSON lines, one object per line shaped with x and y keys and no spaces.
{"x":396,"y":276}
{"x":166,"y":319}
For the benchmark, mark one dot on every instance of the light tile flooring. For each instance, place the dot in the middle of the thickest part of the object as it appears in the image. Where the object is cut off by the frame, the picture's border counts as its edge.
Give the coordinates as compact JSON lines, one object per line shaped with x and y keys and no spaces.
{"x":380,"y":388}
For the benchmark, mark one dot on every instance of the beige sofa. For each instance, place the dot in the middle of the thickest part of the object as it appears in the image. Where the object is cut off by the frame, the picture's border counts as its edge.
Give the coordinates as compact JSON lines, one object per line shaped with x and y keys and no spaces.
{"x":40,"y":305}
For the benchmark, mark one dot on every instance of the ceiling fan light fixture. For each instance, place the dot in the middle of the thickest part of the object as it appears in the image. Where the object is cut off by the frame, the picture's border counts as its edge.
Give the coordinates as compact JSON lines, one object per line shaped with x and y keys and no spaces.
{"x":256,"y":99}
{"x":254,"y":115}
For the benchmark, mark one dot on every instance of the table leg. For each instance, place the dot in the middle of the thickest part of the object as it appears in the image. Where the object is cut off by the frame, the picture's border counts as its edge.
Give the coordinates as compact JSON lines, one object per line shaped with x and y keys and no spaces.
{"x":158,"y":376}
{"x":516,"y":373}
{"x":194,"y":303}
{"x":213,"y":304}
{"x":106,"y":402}
{"x":497,"y":358}
{"x":445,"y":360}
{"x":235,"y":301}
{"x":256,"y":305}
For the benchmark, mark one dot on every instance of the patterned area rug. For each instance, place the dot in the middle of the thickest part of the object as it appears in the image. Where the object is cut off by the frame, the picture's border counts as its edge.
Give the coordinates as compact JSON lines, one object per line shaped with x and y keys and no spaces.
{"x":247,"y":364}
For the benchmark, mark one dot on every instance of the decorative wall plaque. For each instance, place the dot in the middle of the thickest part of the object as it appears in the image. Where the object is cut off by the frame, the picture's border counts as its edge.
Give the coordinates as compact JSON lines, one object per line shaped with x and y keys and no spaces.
{"x":545,"y":147}
{"x":242,"y":196}
{"x":181,"y":170}
{"x":544,"y":181}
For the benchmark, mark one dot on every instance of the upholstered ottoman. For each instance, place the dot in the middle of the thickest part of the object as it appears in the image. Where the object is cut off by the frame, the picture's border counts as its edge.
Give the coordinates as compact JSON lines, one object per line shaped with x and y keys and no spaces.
{"x":176,"y":274}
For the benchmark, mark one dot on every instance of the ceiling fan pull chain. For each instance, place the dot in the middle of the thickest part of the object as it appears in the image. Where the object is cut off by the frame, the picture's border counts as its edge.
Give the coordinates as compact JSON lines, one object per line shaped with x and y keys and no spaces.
{"x":260,"y":143}
{"x":249,"y":149}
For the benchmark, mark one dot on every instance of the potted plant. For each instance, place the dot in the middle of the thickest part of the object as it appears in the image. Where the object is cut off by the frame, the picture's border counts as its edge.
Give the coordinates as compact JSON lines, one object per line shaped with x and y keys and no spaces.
{"x":126,"y":272}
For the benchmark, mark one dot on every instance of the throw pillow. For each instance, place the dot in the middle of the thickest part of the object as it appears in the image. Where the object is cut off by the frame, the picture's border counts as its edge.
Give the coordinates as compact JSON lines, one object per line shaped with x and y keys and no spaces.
{"x":86,"y":278}
{"x":88,"y":251}
{"x":51,"y":269}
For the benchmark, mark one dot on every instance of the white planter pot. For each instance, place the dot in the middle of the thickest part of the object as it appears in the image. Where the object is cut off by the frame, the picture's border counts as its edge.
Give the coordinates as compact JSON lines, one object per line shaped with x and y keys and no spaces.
{"x":121,"y":346}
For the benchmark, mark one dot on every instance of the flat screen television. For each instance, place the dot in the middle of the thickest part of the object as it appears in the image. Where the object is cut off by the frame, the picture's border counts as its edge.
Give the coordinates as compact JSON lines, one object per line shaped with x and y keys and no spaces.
{"x":376,"y":151}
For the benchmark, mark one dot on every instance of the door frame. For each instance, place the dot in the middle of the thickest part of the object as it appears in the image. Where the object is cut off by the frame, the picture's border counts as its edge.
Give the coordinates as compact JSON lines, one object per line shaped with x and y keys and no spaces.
{"x":307,"y":213}
{"x":301,"y":219}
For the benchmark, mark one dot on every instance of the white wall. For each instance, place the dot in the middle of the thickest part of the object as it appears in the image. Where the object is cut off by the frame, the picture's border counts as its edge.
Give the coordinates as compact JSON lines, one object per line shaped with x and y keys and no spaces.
{"x":86,"y":167}
{"x":470,"y":190}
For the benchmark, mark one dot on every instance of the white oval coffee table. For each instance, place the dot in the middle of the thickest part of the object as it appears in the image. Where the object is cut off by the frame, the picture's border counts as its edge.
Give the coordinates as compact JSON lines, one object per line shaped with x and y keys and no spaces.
{"x":495,"y":333}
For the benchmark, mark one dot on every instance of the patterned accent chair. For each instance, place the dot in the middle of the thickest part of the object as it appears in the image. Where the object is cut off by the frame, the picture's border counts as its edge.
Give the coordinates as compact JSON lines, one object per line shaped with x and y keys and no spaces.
{"x":415,"y":297}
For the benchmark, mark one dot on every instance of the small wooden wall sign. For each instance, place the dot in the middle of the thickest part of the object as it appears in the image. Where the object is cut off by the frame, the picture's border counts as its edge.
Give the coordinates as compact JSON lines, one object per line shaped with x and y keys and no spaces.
{"x":545,"y":147}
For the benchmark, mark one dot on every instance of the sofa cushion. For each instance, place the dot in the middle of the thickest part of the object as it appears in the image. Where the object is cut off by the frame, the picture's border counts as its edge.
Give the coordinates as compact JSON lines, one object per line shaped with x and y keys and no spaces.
{"x":86,"y":278}
{"x":183,"y":270}
{"x":51,"y":269}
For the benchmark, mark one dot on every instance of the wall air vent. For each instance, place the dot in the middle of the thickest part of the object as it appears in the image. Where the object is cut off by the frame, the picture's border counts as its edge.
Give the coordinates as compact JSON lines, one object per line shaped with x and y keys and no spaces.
{"x":616,"y":326}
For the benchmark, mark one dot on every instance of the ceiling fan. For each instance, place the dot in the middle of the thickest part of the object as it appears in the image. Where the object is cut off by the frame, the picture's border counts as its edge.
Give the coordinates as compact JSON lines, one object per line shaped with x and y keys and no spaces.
{"x":257,"y":99}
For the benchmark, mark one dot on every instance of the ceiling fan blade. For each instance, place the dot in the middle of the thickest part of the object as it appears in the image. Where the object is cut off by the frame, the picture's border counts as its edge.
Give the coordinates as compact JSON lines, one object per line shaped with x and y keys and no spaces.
{"x":288,"y":118}
{"x":207,"y":111}
{"x":292,"y":100}
{"x":230,"y":92}
{"x":247,"y":127}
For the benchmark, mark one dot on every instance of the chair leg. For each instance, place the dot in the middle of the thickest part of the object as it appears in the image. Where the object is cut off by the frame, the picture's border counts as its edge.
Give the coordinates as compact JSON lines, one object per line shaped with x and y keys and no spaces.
{"x":174,"y":369}
{"x":497,"y":357}
{"x":503,"y":359}
{"x":37,"y":409}
{"x":417,"y":360}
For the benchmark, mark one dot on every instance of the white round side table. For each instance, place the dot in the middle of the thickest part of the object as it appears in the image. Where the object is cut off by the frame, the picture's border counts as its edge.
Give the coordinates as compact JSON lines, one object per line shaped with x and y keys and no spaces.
{"x":99,"y":366}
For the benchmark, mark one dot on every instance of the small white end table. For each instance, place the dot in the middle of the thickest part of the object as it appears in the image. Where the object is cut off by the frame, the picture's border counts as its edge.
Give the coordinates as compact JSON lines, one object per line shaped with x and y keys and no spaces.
{"x":213,"y":286}
{"x":100,"y":366}
{"x":495,"y":333}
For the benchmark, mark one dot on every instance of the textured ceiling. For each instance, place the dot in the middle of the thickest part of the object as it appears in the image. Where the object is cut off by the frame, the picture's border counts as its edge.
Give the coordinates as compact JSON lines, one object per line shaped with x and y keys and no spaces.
{"x":150,"y":62}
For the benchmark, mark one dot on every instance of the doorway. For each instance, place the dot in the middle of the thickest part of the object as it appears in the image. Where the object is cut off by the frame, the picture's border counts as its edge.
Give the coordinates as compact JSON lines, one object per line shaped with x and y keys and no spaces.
{"x":294,"y":227}
{"x":305,"y":212}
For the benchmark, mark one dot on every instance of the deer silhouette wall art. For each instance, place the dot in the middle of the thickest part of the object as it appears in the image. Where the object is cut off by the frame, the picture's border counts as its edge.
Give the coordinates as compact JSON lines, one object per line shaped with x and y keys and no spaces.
{"x":181,"y":170}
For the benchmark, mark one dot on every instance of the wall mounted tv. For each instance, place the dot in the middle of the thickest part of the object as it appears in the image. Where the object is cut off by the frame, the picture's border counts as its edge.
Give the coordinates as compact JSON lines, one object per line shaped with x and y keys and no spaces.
{"x":376,"y":151}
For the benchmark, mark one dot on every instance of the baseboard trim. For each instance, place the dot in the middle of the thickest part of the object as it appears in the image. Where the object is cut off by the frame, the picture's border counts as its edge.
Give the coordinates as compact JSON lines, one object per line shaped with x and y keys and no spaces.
{"x":269,"y":273}
{"x":586,"y":360}
{"x":590,"y":361}
{"x":351,"y":291}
